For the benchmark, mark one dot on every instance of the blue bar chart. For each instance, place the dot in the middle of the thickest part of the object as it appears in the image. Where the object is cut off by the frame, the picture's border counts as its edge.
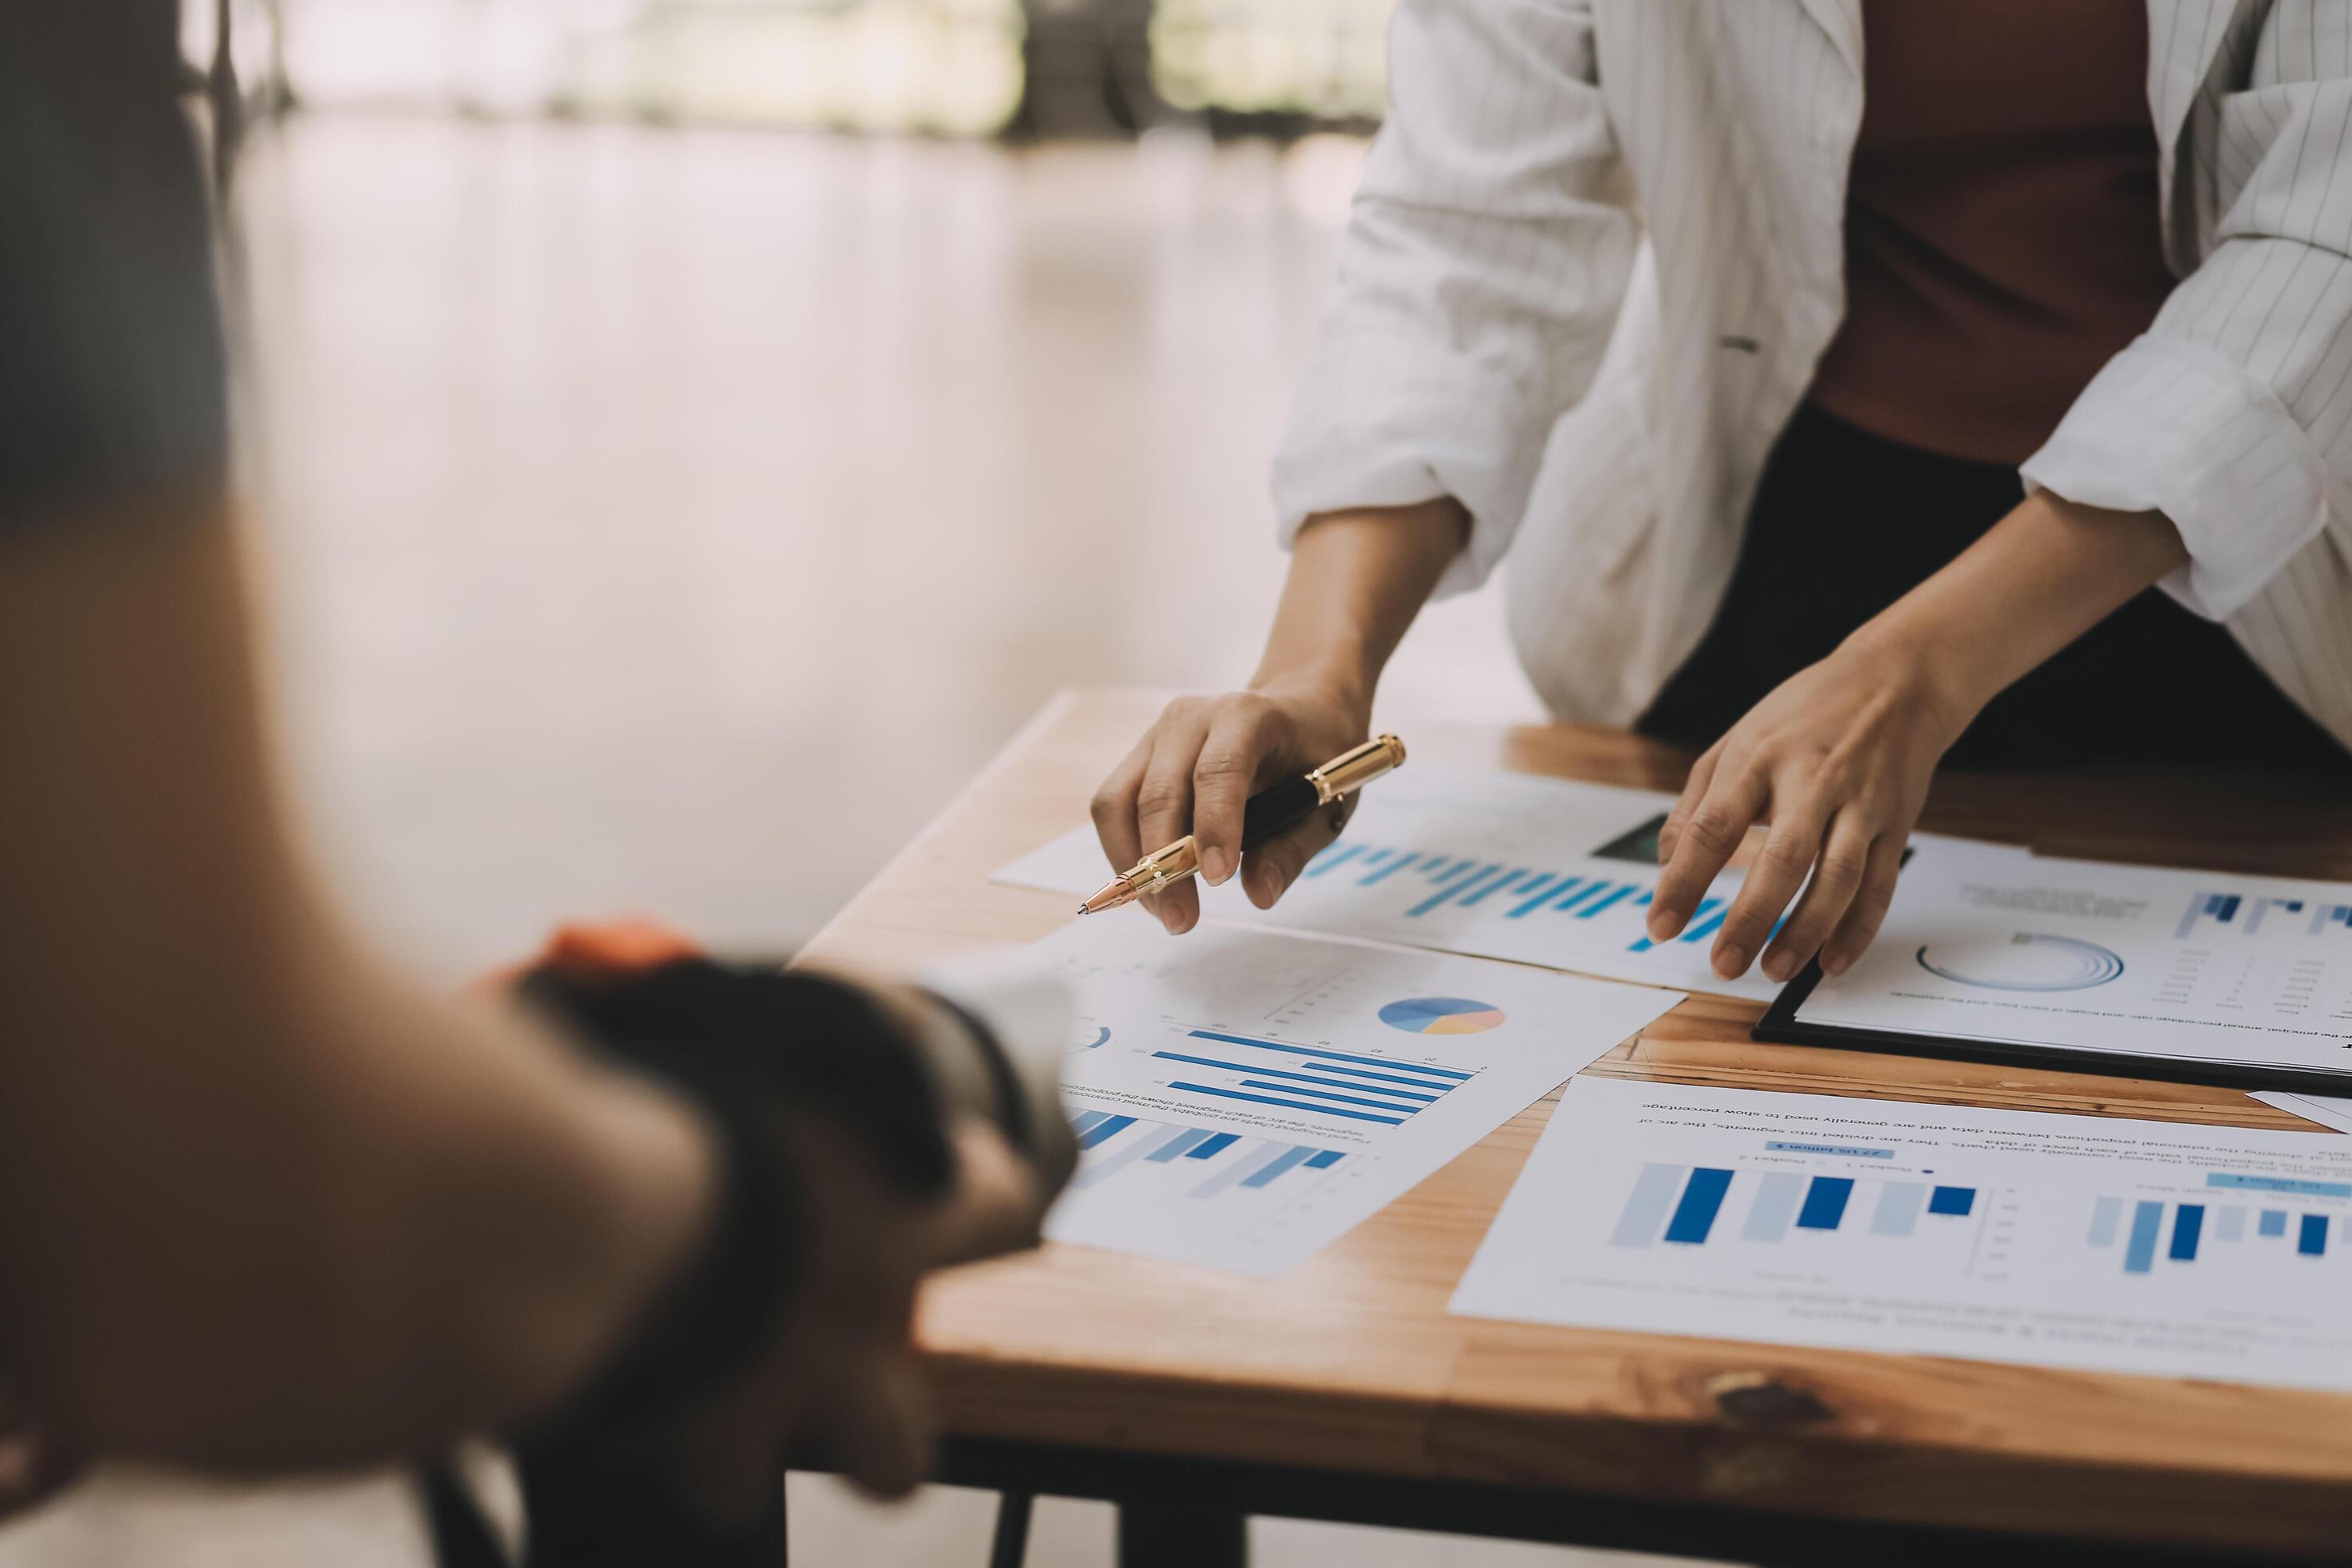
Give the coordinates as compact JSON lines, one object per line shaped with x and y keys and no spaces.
{"x":1227,"y":1068}
{"x":1440,"y":880}
{"x":1252,"y":1096}
{"x":1682,"y":1205}
{"x":2184,"y":1230}
{"x":2093,"y":1244}
{"x":2223,"y":910}
{"x":1499,"y":865}
{"x":1205,"y":1162}
{"x":2218,"y":908}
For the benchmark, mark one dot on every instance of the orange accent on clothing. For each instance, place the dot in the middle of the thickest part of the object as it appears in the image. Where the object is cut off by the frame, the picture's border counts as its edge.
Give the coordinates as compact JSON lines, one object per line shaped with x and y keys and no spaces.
{"x":605,"y":947}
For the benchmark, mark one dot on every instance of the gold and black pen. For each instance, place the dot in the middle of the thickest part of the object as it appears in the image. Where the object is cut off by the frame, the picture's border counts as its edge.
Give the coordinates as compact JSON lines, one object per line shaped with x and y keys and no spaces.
{"x":1269,"y":812}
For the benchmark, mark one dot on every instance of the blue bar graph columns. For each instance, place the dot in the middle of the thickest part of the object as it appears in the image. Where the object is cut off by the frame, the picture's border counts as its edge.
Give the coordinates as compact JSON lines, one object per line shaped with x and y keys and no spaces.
{"x":2139,"y":1252}
{"x":1653,"y":1191}
{"x":1825,"y":1203}
{"x":1702,"y":1199}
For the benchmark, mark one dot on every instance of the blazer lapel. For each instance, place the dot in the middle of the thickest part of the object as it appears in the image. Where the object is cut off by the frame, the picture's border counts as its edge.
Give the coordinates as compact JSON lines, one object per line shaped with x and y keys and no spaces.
{"x":2183,"y":37}
{"x":1842,"y":20}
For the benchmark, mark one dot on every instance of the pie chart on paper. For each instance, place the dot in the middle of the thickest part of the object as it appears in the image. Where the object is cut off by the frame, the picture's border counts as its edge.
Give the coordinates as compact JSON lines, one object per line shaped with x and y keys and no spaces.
{"x":1440,"y":1015}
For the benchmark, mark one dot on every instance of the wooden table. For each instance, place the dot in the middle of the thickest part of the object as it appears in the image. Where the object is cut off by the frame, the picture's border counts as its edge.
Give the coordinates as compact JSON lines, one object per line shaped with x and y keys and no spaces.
{"x":1344,"y":1390}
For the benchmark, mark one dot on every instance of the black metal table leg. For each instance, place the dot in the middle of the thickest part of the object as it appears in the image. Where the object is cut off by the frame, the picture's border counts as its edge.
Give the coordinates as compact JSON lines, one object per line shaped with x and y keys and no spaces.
{"x":1011,"y":1543}
{"x":1152,"y":1535}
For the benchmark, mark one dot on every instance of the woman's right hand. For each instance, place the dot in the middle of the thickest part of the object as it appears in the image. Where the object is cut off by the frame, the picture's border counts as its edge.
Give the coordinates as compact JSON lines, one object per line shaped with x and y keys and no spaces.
{"x":1356,"y":579}
{"x":1195,"y":771}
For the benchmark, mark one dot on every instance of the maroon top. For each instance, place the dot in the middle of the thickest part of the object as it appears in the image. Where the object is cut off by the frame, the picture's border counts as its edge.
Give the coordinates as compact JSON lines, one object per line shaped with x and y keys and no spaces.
{"x":2003,"y":237}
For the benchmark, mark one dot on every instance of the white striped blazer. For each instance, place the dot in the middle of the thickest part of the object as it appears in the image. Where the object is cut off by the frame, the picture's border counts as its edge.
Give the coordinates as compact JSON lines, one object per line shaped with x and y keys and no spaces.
{"x":1673,"y":173}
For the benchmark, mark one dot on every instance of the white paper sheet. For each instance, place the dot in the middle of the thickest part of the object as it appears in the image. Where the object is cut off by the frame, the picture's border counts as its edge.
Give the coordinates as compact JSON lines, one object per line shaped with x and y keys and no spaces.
{"x":2070,"y":1241}
{"x":2194,"y":965}
{"x":2328,"y":1111}
{"x":1500,"y":865}
{"x":1243,"y":1098}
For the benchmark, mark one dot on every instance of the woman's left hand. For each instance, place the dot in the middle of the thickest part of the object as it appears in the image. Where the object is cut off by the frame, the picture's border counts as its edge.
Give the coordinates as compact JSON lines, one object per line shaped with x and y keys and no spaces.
{"x":1838,"y":757}
{"x":1837,"y":760}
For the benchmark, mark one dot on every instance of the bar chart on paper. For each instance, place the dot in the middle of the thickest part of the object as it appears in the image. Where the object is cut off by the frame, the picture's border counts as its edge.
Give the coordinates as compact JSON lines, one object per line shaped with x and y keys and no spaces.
{"x":1538,"y":870}
{"x":1581,"y":919}
{"x":2002,"y":1235}
{"x":1240,"y":1098}
{"x":1541,"y":871}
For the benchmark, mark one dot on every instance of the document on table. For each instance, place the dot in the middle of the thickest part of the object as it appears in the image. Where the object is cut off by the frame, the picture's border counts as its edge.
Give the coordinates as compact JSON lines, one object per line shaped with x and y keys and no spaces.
{"x":2194,"y":967}
{"x":1542,"y":870}
{"x":2328,"y":1111}
{"x":2051,"y":1240}
{"x":1243,"y":1098}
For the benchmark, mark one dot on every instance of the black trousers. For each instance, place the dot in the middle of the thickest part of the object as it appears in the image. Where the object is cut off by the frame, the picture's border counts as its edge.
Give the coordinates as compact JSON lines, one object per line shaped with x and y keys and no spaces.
{"x":1845,"y":522}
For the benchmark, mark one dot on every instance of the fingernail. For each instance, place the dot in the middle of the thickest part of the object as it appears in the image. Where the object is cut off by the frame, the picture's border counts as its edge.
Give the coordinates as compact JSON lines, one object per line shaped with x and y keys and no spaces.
{"x":1833,"y":963}
{"x":1780,"y":966}
{"x":1730,"y":960}
{"x":1216,"y":864}
{"x":1664,"y":921}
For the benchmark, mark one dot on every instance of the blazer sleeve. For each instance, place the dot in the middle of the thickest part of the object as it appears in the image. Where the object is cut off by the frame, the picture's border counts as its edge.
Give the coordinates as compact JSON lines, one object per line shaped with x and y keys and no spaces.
{"x":1477,"y":278}
{"x":2232,"y":414}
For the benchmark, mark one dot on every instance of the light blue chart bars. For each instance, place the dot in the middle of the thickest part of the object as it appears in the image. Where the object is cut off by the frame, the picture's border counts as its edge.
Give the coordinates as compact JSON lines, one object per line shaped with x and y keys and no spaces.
{"x":1103,"y":1130}
{"x":2218,"y":908}
{"x":1127,"y":1142}
{"x":1435,"y":880}
{"x":2196,"y":1228}
{"x":1645,"y":1211}
{"x":1683,"y":1204}
{"x":1899,"y":1208}
{"x":1775,"y":1206}
{"x":1154,"y":1142}
{"x":2139,"y":1253}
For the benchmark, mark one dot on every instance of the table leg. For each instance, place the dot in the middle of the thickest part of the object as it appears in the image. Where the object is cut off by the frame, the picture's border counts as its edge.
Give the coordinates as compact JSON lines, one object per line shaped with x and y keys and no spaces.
{"x":1152,"y":1536}
{"x":1011,"y":1545}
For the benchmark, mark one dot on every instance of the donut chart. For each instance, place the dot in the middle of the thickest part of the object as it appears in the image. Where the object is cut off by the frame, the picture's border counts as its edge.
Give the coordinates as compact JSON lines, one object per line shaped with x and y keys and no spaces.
{"x":1440,"y":1015}
{"x":2029,"y":961}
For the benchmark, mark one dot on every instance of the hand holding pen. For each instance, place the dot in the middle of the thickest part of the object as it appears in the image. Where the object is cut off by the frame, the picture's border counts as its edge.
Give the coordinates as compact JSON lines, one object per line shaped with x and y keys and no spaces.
{"x":1278,"y":829}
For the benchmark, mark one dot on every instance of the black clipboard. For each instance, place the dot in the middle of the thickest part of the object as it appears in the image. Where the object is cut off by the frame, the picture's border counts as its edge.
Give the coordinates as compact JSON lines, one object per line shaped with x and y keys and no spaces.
{"x":1779,"y":1026}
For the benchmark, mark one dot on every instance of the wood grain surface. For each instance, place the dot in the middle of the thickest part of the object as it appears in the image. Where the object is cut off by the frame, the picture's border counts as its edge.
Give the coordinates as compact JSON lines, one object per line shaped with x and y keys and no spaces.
{"x":1350,"y":1361}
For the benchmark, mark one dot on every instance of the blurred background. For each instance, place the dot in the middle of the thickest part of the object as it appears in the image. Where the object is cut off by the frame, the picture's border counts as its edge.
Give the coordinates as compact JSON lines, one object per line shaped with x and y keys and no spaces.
{"x":691,"y":436}
{"x":688,"y":437}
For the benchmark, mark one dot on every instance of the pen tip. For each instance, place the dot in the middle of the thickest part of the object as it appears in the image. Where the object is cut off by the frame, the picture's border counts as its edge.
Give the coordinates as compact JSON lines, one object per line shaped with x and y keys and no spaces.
{"x":1084,"y":910}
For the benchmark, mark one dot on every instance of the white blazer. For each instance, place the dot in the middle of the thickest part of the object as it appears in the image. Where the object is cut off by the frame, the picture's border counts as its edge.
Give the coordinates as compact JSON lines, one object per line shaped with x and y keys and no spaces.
{"x":1674,"y":171}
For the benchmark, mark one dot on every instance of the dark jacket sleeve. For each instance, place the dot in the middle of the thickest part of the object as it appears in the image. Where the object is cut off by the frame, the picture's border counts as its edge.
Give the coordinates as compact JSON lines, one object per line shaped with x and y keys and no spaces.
{"x":111,"y":374}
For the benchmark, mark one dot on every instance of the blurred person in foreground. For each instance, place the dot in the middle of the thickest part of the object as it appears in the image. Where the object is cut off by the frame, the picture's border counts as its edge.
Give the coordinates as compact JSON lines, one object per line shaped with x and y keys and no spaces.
{"x":267,"y":1207}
